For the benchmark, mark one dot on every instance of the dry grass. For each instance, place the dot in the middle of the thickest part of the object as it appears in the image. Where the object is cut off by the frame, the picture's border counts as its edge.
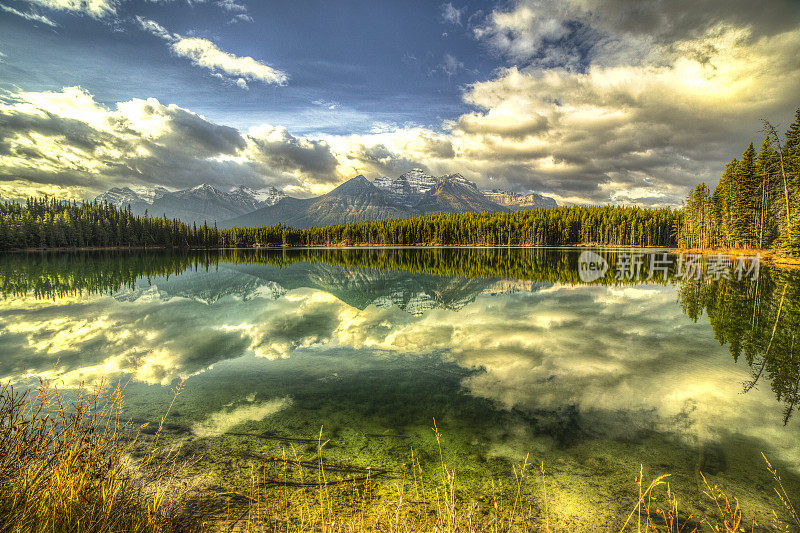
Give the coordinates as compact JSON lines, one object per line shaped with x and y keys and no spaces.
{"x":288,"y":494}
{"x":65,"y":466}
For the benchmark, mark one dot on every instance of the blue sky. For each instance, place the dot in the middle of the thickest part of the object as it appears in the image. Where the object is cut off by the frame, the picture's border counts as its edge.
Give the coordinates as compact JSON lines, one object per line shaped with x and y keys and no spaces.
{"x":589,"y":101}
{"x":368,"y":61}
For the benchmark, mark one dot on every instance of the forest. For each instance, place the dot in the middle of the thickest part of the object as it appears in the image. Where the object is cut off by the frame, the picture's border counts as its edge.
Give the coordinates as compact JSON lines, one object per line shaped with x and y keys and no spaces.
{"x":756,"y":203}
{"x":49,"y":223}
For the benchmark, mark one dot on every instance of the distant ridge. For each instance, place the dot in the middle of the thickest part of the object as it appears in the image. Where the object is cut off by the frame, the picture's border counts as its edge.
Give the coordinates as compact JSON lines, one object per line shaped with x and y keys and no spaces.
{"x":197,"y":204}
{"x":414,"y":193}
{"x":517,"y":202}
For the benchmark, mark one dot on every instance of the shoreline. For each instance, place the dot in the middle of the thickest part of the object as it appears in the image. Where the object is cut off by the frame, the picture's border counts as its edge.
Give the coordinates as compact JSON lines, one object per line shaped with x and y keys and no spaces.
{"x":771,"y":256}
{"x":307,"y":246}
{"x":767,"y":255}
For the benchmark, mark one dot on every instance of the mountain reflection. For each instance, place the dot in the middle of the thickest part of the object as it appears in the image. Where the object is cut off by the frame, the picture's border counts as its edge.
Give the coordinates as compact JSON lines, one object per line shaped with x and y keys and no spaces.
{"x":48,"y":275}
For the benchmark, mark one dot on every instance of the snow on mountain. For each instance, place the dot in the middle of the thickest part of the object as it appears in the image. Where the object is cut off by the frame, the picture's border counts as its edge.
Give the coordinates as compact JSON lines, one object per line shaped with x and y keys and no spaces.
{"x":268,"y":196}
{"x":138,"y":197}
{"x":460,"y":180}
{"x":120,"y":196}
{"x":200,"y":203}
{"x":409,"y":188}
{"x":411,"y":194}
{"x":518,"y":202}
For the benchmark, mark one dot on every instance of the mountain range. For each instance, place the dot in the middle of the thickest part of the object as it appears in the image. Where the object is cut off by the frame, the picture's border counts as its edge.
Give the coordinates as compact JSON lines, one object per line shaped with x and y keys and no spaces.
{"x":414,"y":193}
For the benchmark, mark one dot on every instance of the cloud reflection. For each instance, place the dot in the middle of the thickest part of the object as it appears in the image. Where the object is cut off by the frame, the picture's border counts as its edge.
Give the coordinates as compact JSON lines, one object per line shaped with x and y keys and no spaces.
{"x":624,"y":359}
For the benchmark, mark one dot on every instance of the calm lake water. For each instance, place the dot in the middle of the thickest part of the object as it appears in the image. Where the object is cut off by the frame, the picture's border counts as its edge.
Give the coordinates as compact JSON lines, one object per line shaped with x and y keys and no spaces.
{"x":509,"y":350}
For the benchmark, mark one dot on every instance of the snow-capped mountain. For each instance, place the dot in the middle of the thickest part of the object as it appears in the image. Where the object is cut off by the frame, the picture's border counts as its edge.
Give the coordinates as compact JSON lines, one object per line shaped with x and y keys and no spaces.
{"x":517,"y":202}
{"x":261,"y":197}
{"x":414,"y":193}
{"x":408,"y":188}
{"x":356,"y":200}
{"x":132,"y":196}
{"x":203,"y":203}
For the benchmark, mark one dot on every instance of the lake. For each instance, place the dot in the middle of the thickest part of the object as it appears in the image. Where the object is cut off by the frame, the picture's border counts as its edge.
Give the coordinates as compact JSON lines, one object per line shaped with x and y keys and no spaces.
{"x":510,"y":351}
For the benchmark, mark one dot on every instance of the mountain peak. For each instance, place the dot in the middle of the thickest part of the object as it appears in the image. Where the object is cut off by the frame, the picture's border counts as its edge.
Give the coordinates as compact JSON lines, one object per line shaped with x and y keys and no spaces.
{"x":204,"y":187}
{"x":516,"y":201}
{"x":354,"y":186}
{"x":458,"y":179}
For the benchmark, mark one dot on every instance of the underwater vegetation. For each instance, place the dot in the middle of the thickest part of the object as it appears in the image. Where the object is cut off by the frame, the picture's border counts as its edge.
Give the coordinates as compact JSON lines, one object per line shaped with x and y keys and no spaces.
{"x":70,"y":462}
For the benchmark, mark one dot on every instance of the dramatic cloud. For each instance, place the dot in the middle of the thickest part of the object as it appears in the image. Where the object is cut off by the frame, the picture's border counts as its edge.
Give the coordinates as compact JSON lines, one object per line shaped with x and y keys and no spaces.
{"x":605,"y":103}
{"x":206,"y":54}
{"x":596,"y":104}
{"x":278,"y":149}
{"x":51,"y":141}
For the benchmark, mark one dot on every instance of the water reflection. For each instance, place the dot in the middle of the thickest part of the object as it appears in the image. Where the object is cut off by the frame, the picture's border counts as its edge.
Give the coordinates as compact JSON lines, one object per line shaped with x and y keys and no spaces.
{"x":507,"y":348}
{"x":758,"y":319}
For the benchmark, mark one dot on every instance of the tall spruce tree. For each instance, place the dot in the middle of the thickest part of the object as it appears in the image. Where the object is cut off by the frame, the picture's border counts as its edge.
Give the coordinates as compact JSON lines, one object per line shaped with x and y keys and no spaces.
{"x":745,"y":186}
{"x":791,"y":149}
{"x":766,"y":165}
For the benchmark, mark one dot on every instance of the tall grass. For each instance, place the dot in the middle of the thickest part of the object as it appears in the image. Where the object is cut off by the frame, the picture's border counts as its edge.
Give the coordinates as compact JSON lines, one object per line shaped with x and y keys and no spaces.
{"x":65,"y":465}
{"x":288,"y":494}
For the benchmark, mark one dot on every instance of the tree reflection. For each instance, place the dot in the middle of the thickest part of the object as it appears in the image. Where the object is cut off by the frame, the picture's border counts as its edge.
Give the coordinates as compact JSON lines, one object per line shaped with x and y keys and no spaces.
{"x":51,"y":275}
{"x":757,"y":319}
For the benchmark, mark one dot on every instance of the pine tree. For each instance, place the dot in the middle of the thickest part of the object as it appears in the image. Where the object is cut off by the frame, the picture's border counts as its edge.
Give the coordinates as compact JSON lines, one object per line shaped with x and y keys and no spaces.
{"x":744,"y":191}
{"x":792,"y":155}
{"x":766,"y":171}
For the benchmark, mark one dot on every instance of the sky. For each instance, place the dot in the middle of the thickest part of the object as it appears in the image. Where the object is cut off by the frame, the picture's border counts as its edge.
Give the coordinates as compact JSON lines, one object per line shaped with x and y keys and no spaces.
{"x":588,"y":101}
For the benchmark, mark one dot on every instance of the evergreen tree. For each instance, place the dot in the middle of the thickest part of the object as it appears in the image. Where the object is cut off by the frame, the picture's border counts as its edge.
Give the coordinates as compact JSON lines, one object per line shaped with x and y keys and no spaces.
{"x":743,"y":196}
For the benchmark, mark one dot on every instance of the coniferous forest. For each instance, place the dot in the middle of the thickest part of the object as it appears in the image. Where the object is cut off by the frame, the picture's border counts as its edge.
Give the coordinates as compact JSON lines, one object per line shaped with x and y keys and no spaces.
{"x":756,"y":203}
{"x":48,"y":223}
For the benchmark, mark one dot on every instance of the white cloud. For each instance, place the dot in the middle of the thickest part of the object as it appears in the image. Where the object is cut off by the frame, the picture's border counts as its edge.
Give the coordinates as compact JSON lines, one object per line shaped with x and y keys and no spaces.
{"x":206,"y":54}
{"x":93,"y":8}
{"x":521,"y":32}
{"x":232,"y":6}
{"x":156,"y":29}
{"x":241,"y":17}
{"x":452,"y":15}
{"x":451,"y":65}
{"x":30,"y":16}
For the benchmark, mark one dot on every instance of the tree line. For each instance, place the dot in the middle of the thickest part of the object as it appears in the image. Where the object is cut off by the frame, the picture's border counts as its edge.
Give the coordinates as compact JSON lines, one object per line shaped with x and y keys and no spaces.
{"x":756,"y":203}
{"x":48,"y":223}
